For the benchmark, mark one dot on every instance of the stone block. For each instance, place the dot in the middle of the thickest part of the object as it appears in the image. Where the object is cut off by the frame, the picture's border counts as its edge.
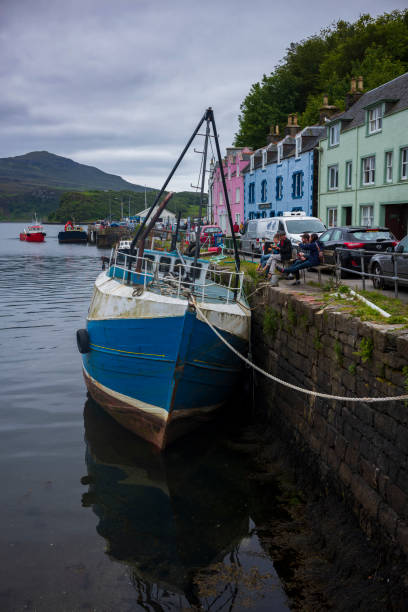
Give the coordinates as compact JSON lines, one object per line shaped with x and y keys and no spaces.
{"x":385,"y":426}
{"x":345,"y":474}
{"x":340,"y":446}
{"x":364,"y":413}
{"x":396,"y":498}
{"x":365,"y":495}
{"x":402,"y":536}
{"x":352,"y":457}
{"x":383,"y":482}
{"x":402,"y":480}
{"x":388,"y":519}
{"x":401,"y":439}
{"x":369,"y":472}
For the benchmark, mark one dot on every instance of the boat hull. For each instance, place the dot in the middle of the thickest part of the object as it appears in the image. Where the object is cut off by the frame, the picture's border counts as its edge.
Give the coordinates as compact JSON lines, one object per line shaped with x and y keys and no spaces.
{"x":32,"y":237}
{"x":161,"y":376}
{"x":72,"y":237}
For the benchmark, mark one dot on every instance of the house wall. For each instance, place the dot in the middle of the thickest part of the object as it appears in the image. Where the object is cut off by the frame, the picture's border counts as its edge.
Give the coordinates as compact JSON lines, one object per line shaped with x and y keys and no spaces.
{"x":220,"y":213}
{"x":273,"y":207}
{"x":354,"y":145}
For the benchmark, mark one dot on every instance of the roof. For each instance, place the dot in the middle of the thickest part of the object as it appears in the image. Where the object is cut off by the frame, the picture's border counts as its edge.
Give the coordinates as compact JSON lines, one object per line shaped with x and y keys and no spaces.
{"x":395,"y":93}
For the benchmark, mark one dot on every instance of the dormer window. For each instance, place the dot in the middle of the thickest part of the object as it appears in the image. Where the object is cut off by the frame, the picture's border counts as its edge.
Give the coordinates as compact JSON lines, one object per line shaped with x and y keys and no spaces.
{"x":238,"y":168}
{"x":334,"y":135}
{"x":298,"y":144}
{"x":264,"y":156}
{"x":229,"y":173}
{"x":252,"y":163}
{"x":375,"y":119}
{"x":280,"y":153}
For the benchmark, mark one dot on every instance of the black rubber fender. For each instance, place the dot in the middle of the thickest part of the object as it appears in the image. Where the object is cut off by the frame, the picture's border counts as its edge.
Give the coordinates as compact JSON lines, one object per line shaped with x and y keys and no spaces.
{"x":83,"y":343}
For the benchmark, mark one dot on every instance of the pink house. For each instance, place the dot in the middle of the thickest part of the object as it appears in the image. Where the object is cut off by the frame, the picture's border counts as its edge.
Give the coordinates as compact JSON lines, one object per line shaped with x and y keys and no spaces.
{"x":235,"y":160}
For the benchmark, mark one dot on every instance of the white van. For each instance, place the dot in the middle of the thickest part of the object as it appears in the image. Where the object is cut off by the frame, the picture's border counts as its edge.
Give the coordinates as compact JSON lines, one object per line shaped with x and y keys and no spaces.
{"x":294,"y":224}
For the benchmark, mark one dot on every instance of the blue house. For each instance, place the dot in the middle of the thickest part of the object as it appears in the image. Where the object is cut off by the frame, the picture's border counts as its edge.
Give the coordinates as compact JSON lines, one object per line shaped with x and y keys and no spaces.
{"x":282,"y":176}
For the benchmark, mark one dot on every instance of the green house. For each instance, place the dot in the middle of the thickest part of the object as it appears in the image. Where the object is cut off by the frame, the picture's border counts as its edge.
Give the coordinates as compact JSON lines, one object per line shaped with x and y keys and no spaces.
{"x":363,"y":165}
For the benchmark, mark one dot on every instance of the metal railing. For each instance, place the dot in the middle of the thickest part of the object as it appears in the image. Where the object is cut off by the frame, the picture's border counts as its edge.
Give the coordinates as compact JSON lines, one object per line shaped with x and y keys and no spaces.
{"x":366,"y":265}
{"x":178,"y":278}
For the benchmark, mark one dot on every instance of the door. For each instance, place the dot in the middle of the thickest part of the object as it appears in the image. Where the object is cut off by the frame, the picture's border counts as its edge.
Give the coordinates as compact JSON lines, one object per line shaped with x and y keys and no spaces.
{"x":347,"y":215}
{"x":396,"y":219}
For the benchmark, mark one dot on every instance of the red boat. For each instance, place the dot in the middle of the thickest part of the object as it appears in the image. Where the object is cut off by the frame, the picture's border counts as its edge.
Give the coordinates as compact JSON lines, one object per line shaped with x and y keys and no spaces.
{"x":33,"y":233}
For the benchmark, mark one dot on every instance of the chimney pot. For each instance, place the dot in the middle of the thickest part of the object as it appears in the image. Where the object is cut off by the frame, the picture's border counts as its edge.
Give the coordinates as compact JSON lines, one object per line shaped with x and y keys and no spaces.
{"x":277,"y":129}
{"x":360,"y":84}
{"x":353,"y":84}
{"x":325,"y":100}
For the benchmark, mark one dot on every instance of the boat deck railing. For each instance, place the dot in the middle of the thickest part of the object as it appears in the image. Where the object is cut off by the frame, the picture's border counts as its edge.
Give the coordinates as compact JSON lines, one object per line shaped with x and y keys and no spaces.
{"x":175,"y":275}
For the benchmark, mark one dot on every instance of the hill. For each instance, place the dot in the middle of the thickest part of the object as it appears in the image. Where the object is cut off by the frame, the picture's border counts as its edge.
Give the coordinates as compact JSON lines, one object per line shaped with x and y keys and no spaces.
{"x":36,"y":181}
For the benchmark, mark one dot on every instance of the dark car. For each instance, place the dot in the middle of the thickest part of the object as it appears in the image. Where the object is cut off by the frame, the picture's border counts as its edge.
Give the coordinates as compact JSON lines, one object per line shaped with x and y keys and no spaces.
{"x":353,"y":239}
{"x":384,"y":264}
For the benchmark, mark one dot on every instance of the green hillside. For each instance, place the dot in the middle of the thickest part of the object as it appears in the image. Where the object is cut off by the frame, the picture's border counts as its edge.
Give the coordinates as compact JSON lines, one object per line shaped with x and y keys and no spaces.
{"x":93,"y":205}
{"x":37,"y":180}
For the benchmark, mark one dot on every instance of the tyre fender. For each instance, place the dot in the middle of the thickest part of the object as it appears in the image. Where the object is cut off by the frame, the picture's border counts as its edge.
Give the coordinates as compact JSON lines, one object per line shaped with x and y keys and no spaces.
{"x":83,"y":342}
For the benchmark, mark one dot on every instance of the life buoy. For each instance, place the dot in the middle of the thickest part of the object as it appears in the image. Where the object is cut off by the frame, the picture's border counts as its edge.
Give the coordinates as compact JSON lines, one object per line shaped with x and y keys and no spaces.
{"x":82,"y":337}
{"x":67,"y":225}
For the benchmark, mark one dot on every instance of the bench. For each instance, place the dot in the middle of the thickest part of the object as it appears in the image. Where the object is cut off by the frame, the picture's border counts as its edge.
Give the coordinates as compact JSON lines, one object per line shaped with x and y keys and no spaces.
{"x":329,"y":254}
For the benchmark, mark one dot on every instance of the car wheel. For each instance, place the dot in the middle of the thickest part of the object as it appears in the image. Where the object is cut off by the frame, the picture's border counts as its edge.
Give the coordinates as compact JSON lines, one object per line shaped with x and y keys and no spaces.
{"x":378,"y":283}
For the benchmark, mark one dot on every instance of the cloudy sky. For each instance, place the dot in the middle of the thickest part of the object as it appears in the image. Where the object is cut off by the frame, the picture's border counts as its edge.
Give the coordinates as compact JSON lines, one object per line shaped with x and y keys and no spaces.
{"x":121,"y":84}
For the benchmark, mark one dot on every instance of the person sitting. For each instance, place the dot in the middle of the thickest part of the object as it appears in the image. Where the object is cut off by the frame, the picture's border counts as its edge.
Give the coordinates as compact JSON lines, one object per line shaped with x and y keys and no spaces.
{"x":308,"y":257}
{"x":282,"y":252}
{"x":267,"y":251}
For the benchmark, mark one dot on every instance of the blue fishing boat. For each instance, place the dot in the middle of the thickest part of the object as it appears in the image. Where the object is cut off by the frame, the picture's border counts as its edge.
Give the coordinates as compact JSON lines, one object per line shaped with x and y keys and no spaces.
{"x":151,"y":357}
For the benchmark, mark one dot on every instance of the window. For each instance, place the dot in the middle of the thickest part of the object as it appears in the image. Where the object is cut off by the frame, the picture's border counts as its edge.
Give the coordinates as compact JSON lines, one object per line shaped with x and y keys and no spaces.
{"x":264,"y":156}
{"x":375,"y":119}
{"x":349,"y":176}
{"x":334,"y":135}
{"x":297,"y":185}
{"x":238,"y":218}
{"x":237,"y":194}
{"x":298,"y":143}
{"x":369,"y":170}
{"x":229,"y":173}
{"x":404,"y":164}
{"x":221,"y":200}
{"x":238,"y":169}
{"x":367,"y":215}
{"x":331,"y":217}
{"x":279,"y":187}
{"x":264,"y":191}
{"x":333,"y":177}
{"x":280,"y":153}
{"x":252,"y":163}
{"x":388,"y":167}
{"x":251,"y":194}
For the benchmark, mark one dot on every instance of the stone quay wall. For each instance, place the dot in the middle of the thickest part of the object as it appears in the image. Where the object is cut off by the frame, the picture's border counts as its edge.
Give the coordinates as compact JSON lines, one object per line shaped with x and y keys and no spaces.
{"x":358,"y":449}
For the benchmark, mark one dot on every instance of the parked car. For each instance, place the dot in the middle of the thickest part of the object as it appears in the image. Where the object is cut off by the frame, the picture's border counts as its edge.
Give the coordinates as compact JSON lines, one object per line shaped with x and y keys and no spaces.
{"x":211,"y":235}
{"x":253,"y":235}
{"x":383,"y":265}
{"x":356,"y":238}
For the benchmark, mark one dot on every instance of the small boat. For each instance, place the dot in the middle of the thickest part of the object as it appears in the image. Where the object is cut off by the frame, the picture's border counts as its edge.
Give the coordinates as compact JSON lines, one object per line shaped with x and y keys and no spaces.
{"x":33,"y":233}
{"x":72,"y":233}
{"x":151,"y":357}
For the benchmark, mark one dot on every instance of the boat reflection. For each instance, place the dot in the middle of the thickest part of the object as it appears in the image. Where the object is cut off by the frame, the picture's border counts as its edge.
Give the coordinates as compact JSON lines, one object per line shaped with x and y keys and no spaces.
{"x":178,"y":520}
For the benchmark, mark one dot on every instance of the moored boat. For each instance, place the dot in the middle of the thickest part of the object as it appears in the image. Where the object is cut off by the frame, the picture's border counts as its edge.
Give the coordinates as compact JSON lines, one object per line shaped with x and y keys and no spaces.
{"x":72,"y":233}
{"x":33,"y":232}
{"x":150,"y":357}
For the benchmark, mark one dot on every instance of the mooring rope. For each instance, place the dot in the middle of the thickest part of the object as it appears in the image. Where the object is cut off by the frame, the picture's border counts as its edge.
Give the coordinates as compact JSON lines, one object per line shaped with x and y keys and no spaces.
{"x":290,"y":385}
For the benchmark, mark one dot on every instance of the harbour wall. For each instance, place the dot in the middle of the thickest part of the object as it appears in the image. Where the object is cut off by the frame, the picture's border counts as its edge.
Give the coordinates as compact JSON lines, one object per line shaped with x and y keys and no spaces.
{"x":358,"y":450}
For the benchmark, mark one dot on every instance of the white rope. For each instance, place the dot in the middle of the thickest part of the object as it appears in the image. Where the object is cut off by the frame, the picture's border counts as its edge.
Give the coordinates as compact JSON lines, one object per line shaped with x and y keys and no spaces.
{"x":290,"y":385}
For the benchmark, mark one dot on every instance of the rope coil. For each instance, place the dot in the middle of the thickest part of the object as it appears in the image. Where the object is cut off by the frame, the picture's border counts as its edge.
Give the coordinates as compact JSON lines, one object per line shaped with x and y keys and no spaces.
{"x":290,"y":385}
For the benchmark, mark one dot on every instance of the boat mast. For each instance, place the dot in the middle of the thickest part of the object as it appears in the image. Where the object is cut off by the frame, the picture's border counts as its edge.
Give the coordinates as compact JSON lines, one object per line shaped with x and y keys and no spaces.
{"x":236,"y":254}
{"x":200,"y":210}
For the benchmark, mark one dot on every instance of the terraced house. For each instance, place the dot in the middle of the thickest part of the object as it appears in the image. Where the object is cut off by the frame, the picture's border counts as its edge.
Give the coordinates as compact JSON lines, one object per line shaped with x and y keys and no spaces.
{"x":363,"y":169}
{"x":282,"y":176}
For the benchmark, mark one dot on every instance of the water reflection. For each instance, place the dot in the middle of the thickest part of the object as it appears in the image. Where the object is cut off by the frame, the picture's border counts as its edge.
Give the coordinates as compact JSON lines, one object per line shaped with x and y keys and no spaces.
{"x":180,"y":521}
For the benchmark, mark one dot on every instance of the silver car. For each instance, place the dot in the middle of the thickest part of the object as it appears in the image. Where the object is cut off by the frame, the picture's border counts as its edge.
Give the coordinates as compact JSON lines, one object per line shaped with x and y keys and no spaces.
{"x":383,"y":265}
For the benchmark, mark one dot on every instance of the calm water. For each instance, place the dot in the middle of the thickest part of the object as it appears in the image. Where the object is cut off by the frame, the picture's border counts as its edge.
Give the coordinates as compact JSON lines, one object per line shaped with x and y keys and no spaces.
{"x":91,"y":517}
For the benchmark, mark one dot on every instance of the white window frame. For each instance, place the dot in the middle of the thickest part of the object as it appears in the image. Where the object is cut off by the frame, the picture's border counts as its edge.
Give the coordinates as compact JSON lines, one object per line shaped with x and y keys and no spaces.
{"x":298,"y":146}
{"x":237,"y":195}
{"x":279,"y":181}
{"x":375,"y":116}
{"x":238,"y":168}
{"x":367,"y":215}
{"x":297,"y":184}
{"x":238,"y":218}
{"x":368,"y":170}
{"x":333,"y":177}
{"x":264,"y":158}
{"x":349,"y":174}
{"x":221,"y":199}
{"x":252,"y":163}
{"x":388,"y":166}
{"x":332,"y":217}
{"x":334,"y":135}
{"x":229,"y":173}
{"x":404,"y":164}
{"x":280,"y":153}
